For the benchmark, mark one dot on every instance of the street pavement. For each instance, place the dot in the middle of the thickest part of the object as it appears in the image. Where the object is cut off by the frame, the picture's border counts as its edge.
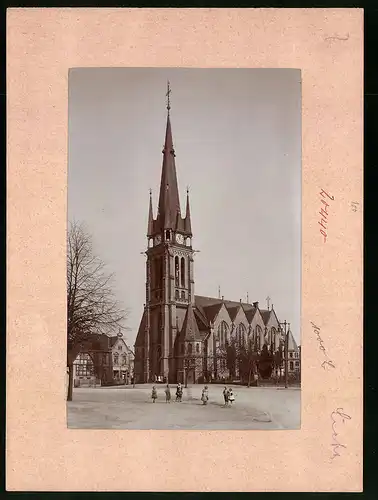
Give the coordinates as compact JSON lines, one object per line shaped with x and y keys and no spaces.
{"x":125,"y":407}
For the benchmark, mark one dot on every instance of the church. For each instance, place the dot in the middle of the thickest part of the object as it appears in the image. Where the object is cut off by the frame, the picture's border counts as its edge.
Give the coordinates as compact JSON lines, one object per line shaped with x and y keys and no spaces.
{"x":181,"y":333}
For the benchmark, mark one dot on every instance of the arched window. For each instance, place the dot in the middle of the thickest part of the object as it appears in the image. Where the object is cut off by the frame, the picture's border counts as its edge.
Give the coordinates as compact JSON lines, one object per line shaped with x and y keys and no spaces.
{"x":223,"y":333}
{"x":177,"y":272}
{"x":124,"y":359}
{"x":273,"y":333}
{"x":197,"y":348}
{"x":258,"y":337}
{"x":241,"y":334}
{"x":182,"y":272}
{"x":190,"y":348}
{"x":115,"y":358}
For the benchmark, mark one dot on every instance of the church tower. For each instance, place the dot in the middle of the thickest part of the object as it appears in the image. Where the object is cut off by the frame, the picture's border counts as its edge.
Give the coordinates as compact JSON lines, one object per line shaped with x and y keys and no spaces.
{"x":169,"y":269}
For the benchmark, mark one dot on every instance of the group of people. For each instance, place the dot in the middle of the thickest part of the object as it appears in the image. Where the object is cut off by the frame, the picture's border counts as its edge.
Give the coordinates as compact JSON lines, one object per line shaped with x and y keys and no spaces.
{"x":228,"y":395}
{"x":167,"y":391}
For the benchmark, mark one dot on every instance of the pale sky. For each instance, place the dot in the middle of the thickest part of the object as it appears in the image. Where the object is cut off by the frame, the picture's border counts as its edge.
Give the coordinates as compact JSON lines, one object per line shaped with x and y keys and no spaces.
{"x":237,"y":137}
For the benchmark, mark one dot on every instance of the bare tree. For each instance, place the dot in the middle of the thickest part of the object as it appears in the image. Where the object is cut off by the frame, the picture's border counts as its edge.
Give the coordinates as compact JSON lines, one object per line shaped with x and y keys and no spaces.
{"x":91,"y":303}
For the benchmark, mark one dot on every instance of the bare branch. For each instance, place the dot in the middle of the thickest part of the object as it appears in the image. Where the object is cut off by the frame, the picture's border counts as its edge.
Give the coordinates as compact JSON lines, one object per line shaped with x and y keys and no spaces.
{"x":91,"y":304}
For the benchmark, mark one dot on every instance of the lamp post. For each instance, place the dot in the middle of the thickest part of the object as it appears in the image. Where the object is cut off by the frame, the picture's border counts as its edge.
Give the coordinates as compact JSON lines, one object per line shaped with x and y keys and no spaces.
{"x":286,"y":357}
{"x":286,"y":353}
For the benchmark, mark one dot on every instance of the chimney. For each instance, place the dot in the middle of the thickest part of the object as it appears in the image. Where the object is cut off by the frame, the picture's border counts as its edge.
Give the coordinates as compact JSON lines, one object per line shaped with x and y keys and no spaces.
{"x":256,"y":304}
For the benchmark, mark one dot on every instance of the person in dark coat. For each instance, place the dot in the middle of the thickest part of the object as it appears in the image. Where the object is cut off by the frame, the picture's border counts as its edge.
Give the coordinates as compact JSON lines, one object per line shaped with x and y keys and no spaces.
{"x":179,"y":393}
{"x":225,"y":395}
{"x":167,"y":394}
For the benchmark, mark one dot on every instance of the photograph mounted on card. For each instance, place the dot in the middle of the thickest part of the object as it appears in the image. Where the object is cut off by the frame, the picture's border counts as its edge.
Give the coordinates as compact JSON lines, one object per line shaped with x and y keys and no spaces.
{"x":184,"y":261}
{"x":189,"y":323}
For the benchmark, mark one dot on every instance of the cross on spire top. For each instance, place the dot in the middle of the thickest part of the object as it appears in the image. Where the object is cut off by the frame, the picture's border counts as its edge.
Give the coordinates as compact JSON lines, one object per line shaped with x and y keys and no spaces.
{"x":168,"y":96}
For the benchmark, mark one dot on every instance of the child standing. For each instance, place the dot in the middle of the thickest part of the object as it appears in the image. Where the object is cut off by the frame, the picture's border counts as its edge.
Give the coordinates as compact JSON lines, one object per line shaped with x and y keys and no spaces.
{"x":154,"y":394}
{"x":231,"y":396}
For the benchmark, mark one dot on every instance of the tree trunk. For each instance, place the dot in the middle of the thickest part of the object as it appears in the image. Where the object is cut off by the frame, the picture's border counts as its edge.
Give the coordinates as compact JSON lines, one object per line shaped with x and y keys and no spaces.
{"x":70,"y":382}
{"x":249,"y":377}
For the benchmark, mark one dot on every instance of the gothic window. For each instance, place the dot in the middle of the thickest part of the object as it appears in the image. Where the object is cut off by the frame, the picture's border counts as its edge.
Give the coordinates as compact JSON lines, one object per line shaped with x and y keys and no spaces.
{"x":190,"y":348}
{"x":177,"y":272}
{"x":258,"y":337}
{"x":182,"y":272}
{"x":115,"y":358}
{"x":177,"y":295}
{"x":241,"y":334}
{"x":197,"y":348}
{"x":124,"y":359}
{"x":167,"y":235}
{"x":183,"y":295}
{"x":223,"y":333}
{"x":274,"y":337}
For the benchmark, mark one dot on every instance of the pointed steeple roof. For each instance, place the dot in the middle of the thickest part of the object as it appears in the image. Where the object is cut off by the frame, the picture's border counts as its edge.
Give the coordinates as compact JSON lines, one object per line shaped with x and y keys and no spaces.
{"x":190,"y":327}
{"x":188,"y":223}
{"x":150,"y":228}
{"x":169,"y":200}
{"x":292,"y":345}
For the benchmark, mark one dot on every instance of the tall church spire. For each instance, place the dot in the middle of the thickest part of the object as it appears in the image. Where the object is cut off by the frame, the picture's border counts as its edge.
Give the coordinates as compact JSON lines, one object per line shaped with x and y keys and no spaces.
{"x":188,"y":223}
{"x":169,"y":201}
{"x":150,"y":229}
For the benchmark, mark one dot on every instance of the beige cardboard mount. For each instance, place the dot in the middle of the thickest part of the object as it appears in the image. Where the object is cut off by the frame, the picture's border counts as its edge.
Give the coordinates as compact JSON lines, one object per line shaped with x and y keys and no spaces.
{"x":42,"y":454}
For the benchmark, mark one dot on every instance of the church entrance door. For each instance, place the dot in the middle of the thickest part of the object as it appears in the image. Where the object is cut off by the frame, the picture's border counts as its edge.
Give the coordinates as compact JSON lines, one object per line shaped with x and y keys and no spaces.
{"x":190,"y":377}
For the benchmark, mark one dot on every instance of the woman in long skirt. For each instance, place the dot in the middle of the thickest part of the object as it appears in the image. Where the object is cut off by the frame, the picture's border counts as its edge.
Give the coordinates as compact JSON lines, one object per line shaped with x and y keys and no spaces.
{"x":205,"y":396}
{"x":167,"y":394}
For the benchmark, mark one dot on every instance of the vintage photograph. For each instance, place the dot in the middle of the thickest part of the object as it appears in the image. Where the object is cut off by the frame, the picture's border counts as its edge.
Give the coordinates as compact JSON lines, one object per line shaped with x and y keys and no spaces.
{"x":184,"y":249}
